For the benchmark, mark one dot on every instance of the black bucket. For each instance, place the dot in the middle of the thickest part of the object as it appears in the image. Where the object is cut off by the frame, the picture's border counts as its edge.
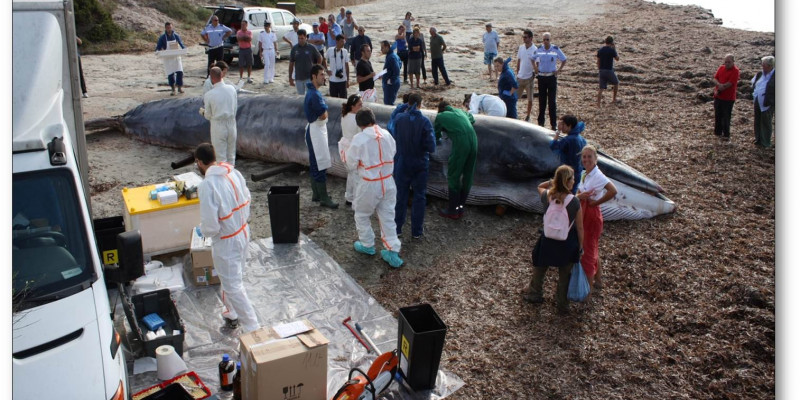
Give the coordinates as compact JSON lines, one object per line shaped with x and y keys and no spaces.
{"x":420,"y":339}
{"x":284,"y":213}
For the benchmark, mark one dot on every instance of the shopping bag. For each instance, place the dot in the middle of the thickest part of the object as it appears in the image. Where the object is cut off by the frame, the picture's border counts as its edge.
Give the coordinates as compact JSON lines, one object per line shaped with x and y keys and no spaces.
{"x":578,"y":284}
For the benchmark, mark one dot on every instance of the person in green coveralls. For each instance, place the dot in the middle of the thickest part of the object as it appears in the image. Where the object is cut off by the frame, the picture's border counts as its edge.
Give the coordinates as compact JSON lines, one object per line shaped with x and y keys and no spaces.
{"x":461,"y":164}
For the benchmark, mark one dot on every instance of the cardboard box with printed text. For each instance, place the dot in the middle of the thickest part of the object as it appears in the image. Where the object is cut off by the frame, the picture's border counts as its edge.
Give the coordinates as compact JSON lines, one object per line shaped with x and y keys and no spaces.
{"x":202,"y":271}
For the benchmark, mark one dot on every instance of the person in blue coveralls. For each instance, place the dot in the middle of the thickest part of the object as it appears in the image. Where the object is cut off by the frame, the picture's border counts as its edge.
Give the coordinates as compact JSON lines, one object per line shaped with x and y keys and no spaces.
{"x":391,"y":79}
{"x":319,"y":156}
{"x":397,"y":110}
{"x":507,"y":86}
{"x":415,"y":141}
{"x":569,"y":147}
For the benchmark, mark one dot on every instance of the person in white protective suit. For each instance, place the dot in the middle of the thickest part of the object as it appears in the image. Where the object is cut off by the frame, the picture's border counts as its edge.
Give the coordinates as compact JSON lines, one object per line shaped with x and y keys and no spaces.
{"x":349,"y":131}
{"x":485,"y":104}
{"x":372,"y":153}
{"x":219,"y":107}
{"x":224,"y":211}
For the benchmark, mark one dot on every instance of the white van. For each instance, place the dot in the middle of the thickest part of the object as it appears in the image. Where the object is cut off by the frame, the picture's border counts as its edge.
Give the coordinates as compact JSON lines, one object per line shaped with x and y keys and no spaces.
{"x":280,"y":21}
{"x":64,"y":344}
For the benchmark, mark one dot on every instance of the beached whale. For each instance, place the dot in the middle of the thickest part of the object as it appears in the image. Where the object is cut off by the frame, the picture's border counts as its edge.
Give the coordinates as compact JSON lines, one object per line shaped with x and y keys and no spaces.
{"x":513,"y":156}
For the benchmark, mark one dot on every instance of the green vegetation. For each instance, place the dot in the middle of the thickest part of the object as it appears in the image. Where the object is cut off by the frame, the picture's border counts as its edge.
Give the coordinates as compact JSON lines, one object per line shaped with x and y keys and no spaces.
{"x":94,"y":24}
{"x":303,"y":6}
{"x":183,"y":11}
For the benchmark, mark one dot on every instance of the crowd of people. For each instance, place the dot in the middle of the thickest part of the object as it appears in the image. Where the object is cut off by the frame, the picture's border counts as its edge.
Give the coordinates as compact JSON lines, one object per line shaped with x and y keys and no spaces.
{"x":386,"y":166}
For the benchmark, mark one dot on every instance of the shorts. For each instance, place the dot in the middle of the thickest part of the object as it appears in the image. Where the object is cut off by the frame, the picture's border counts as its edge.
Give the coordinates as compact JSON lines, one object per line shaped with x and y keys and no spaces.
{"x":525,"y":85}
{"x":488,"y":58}
{"x":414,"y":65}
{"x":608,"y":76}
{"x":246,"y":57}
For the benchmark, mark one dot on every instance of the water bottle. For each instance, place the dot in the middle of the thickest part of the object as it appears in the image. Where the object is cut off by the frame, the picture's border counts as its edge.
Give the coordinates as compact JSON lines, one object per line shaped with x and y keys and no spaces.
{"x":226,"y":372}
{"x":237,"y":382}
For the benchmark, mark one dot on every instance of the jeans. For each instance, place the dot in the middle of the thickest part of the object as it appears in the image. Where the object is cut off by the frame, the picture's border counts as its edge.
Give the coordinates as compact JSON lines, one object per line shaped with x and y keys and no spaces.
{"x":300,"y":85}
{"x":722,"y":117}
{"x":437,"y":64}
{"x":404,"y":58}
{"x":316,"y":175}
{"x":547,"y":99}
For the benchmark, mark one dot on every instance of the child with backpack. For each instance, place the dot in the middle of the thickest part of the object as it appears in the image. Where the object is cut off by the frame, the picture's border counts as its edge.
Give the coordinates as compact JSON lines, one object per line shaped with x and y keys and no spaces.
{"x":560,"y":242}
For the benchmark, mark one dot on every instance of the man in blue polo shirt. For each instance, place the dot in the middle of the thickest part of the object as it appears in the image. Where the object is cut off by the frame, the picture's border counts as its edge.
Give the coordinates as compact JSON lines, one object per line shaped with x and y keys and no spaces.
{"x":545,"y":59}
{"x":215,"y":34}
{"x":333,"y":30}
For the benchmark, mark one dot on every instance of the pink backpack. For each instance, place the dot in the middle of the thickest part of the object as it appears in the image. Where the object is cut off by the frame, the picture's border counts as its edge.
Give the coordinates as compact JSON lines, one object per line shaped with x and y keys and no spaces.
{"x":556,"y":219}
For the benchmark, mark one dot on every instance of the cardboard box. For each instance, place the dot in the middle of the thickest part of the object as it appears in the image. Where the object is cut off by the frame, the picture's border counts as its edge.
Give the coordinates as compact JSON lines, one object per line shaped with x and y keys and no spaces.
{"x":293,"y":368}
{"x":202,"y":271}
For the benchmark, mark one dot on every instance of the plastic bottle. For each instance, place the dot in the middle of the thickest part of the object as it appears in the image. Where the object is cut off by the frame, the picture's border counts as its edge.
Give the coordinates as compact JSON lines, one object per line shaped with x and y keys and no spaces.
{"x":226,"y":372}
{"x":237,"y":382}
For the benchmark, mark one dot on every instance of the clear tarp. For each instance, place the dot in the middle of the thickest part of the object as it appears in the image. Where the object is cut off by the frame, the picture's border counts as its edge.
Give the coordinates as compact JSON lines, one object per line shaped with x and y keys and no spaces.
{"x":289,"y":282}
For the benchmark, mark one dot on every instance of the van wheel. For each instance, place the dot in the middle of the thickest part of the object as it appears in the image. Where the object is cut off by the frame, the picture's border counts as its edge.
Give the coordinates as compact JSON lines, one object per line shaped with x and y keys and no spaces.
{"x":257,"y":63}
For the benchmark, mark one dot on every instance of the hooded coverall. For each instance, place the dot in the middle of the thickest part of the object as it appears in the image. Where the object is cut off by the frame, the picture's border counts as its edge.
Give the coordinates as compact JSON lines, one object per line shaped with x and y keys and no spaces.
{"x":224,"y":210}
{"x":220,"y":105}
{"x":569,"y":149}
{"x":505,"y":83}
{"x":372,"y":153}
{"x":461,"y":164}
{"x":414,"y":138}
{"x":487,"y":104}
{"x":391,"y":79}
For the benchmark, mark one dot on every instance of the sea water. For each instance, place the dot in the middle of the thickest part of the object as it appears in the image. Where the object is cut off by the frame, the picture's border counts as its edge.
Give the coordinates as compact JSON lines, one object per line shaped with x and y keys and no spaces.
{"x":741,"y":14}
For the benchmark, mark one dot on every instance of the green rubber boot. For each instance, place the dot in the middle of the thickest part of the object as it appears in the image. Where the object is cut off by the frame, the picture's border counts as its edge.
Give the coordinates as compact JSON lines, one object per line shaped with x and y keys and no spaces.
{"x":314,"y":191}
{"x":324,"y":199}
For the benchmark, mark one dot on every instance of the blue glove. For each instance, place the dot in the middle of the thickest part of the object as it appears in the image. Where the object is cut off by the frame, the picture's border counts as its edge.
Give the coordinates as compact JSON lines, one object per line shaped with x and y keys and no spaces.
{"x":197,"y":229}
{"x":507,"y":93}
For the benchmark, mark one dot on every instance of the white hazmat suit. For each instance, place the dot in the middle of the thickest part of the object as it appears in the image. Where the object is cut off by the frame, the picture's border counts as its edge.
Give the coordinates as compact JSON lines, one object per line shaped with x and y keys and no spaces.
{"x":224,"y":210}
{"x":220,"y":105}
{"x":487,"y":104}
{"x":371,"y":153}
{"x":349,"y":131}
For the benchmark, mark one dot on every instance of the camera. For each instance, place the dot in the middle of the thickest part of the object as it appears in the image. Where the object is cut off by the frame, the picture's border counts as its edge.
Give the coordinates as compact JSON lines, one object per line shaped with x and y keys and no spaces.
{"x":339,"y":73}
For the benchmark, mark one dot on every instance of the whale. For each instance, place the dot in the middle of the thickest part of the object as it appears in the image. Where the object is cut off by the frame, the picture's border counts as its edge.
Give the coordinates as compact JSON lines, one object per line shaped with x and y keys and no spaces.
{"x":513,"y":156}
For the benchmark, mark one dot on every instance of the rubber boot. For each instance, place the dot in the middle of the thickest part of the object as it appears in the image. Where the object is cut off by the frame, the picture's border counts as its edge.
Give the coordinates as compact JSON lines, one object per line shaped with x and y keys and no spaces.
{"x":314,"y":191}
{"x":324,"y":199}
{"x":452,"y":208}
{"x":392,"y":257}
{"x":462,"y":201}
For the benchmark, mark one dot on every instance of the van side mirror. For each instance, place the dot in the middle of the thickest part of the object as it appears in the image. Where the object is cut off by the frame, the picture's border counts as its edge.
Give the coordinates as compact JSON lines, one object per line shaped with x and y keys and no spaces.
{"x":131,"y":259}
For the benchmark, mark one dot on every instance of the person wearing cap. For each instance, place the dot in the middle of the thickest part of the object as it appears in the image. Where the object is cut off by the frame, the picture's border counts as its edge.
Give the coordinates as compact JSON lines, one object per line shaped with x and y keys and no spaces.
{"x":338,"y":68}
{"x":302,"y":57}
{"x":291,"y":36}
{"x":357,"y":43}
{"x":546,"y":58}
{"x":214,"y":34}
{"x":334,"y":30}
{"x":490,"y":42}
{"x":268,"y":44}
{"x":605,"y":63}
{"x":349,"y":28}
{"x":317,"y":38}
{"x":245,"y":40}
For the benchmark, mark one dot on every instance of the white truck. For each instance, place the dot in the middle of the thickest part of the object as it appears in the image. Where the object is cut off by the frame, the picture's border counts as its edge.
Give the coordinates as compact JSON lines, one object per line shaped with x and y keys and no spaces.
{"x":64,"y":344}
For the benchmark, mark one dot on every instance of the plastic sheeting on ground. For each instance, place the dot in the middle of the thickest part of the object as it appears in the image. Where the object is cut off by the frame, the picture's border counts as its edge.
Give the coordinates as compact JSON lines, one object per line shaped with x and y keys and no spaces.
{"x":289,"y":282}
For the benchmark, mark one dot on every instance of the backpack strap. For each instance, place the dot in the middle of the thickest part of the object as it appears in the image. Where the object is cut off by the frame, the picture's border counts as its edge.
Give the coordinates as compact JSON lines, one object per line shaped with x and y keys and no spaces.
{"x":567,"y":200}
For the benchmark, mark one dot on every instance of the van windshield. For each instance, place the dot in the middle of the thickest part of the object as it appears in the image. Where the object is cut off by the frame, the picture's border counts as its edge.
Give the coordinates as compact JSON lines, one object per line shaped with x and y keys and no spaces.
{"x":50,"y":256}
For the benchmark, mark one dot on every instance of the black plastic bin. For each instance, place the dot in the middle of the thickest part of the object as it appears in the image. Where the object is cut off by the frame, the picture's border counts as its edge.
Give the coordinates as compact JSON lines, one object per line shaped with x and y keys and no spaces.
{"x":160,"y":302}
{"x":420,"y":339}
{"x":284,"y":213}
{"x":105,"y":233}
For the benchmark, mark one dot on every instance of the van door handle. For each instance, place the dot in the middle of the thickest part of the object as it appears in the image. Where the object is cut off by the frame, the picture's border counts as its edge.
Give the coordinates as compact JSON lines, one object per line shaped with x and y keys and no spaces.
{"x":48,"y":346}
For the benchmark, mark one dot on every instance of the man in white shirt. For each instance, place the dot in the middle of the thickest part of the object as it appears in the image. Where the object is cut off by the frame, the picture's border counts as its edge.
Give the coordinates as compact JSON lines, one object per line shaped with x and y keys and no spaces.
{"x":339,"y":68}
{"x":490,"y":42}
{"x":268,"y":42}
{"x":219,"y":107}
{"x":524,"y":71}
{"x":291,"y":36}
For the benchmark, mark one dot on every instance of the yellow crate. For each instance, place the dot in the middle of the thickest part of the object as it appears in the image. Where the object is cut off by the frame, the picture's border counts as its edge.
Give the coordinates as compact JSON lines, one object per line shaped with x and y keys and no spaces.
{"x":164,"y":228}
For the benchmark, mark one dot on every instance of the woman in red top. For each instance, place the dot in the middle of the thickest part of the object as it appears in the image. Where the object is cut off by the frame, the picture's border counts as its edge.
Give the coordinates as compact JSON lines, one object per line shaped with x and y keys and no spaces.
{"x":323,"y":27}
{"x":726,"y":80}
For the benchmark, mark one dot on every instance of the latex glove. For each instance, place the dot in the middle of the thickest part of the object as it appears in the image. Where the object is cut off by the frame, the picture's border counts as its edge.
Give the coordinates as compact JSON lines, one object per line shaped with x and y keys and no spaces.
{"x":507,"y":93}
{"x":278,"y":56}
{"x":197,"y":230}
{"x":202,"y":111}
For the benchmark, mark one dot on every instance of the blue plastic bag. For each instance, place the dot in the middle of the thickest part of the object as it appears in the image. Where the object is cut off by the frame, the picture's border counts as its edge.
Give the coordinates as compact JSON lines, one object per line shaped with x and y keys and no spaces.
{"x":578,"y":284}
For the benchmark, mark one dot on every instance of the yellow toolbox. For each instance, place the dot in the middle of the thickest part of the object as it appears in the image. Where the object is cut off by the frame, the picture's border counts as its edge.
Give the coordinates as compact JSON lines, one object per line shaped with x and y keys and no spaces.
{"x":164,"y":228}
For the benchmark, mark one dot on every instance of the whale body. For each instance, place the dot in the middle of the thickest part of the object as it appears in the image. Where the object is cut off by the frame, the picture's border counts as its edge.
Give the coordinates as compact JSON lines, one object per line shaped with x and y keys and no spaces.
{"x":513,"y":156}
